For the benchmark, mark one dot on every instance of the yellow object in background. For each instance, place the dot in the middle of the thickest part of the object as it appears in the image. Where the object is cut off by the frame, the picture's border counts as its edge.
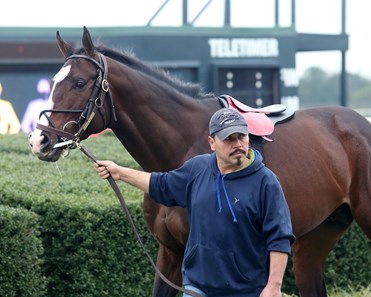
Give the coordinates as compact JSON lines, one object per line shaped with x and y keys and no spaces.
{"x":9,"y":123}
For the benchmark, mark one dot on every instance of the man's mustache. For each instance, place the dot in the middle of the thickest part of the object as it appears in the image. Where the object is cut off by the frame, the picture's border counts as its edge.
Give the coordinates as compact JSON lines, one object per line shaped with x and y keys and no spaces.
{"x":238,"y":151}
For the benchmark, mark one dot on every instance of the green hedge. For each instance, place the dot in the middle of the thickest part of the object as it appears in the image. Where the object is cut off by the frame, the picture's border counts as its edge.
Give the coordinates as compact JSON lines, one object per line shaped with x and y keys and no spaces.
{"x":94,"y":252}
{"x":88,"y":247}
{"x":20,"y":254}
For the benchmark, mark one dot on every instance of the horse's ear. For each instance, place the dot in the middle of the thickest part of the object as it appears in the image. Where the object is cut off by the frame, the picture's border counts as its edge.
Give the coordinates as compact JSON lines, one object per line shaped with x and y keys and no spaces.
{"x":64,"y":47}
{"x":88,"y":43}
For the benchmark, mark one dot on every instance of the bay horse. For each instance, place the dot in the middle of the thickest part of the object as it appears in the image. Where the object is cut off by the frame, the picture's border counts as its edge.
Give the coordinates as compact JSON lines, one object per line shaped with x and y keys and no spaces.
{"x":322,"y":156}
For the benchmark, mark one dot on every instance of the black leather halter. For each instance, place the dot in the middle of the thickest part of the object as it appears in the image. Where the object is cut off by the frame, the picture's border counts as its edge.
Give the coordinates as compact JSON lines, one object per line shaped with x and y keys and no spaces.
{"x":94,"y":105}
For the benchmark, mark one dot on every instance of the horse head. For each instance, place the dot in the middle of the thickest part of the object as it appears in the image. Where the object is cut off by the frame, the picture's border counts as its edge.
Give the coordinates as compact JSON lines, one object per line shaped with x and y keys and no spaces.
{"x":80,"y":102}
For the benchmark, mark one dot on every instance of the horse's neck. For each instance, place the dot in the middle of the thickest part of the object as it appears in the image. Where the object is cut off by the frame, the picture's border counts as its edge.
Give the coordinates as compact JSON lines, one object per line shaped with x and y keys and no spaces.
{"x":162,"y":131}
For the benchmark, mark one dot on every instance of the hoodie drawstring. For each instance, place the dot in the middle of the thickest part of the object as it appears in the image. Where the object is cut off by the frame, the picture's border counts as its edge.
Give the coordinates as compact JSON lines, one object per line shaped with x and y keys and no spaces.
{"x":226,"y":196}
{"x":218,"y":192}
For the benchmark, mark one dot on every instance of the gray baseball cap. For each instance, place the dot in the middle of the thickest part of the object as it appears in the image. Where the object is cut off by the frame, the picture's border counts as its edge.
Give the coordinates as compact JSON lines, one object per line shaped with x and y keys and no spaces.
{"x":227,"y":121}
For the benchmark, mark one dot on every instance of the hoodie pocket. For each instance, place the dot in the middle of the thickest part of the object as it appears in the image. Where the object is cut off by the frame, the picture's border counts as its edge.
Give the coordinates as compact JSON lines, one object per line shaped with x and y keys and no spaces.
{"x":212,"y":268}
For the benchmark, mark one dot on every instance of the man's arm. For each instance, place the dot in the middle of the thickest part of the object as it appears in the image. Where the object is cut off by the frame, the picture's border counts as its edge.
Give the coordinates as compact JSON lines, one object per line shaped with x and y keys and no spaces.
{"x":278,"y":262}
{"x":136,"y":178}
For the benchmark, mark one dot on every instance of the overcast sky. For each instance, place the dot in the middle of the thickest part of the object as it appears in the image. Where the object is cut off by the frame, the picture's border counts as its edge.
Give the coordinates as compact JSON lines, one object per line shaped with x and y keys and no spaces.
{"x":312,"y":16}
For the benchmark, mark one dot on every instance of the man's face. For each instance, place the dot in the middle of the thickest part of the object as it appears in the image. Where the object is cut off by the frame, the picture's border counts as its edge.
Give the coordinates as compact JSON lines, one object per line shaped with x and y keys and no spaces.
{"x":232,"y":152}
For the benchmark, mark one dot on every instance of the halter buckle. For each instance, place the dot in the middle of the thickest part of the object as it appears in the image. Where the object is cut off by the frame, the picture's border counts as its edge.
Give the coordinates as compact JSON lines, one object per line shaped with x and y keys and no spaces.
{"x":105,"y":86}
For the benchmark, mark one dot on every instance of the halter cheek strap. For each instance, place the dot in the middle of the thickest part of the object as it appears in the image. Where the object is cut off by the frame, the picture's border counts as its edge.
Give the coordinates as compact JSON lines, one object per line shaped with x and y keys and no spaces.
{"x":95,"y":103}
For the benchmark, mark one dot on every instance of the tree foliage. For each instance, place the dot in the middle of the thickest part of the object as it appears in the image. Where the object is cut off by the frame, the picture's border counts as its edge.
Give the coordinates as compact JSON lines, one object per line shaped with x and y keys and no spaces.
{"x":319,"y":88}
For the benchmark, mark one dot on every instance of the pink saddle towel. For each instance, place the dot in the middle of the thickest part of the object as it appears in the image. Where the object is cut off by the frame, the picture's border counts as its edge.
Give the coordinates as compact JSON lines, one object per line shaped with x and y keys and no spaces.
{"x":258,"y":122}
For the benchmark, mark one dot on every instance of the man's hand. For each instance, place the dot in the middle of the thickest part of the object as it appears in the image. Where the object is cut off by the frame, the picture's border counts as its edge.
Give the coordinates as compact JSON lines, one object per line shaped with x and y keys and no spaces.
{"x":107,"y":168}
{"x":271,"y":291}
{"x":136,"y":178}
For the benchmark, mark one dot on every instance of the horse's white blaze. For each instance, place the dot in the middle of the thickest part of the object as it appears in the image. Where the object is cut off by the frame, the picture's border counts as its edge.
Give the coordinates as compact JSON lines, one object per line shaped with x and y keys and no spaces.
{"x":35,"y":137}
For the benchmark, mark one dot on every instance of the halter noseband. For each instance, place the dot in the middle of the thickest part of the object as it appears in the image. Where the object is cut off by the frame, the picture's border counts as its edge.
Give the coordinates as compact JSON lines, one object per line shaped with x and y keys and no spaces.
{"x":101,"y":88}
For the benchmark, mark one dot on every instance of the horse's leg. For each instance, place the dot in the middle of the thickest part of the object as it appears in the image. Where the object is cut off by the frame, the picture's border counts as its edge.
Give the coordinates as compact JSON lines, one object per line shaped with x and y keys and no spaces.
{"x":363,"y":218}
{"x":310,"y":252}
{"x":361,"y":199}
{"x":169,"y":263}
{"x":170,"y":227}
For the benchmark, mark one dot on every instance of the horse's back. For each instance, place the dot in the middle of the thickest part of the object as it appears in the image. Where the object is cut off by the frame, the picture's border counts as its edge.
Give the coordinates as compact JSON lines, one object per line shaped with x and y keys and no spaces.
{"x":323,"y":160}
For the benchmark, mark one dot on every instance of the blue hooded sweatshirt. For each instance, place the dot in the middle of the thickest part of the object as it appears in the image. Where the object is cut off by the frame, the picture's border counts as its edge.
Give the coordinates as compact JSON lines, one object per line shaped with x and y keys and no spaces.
{"x":235,"y":220}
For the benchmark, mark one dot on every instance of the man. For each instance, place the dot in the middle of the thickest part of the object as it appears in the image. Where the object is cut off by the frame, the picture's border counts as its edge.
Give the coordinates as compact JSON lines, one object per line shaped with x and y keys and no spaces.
{"x":240,"y":229}
{"x":36,"y":106}
{"x":9,"y":123}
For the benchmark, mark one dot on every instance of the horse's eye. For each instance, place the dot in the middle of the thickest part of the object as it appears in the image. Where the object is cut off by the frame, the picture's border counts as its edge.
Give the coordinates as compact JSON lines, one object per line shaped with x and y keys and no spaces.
{"x":79,"y":84}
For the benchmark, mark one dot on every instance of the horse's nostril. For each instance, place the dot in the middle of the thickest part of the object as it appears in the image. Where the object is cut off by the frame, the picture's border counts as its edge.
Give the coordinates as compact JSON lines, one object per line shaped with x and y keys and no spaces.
{"x":45,"y":141}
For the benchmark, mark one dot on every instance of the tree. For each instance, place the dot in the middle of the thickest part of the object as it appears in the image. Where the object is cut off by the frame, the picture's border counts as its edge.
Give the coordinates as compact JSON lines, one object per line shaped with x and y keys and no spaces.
{"x":318,"y":88}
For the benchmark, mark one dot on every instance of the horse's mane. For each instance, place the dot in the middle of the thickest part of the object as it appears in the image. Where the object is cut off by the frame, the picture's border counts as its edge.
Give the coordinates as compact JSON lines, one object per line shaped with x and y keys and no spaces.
{"x":128,"y":58}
